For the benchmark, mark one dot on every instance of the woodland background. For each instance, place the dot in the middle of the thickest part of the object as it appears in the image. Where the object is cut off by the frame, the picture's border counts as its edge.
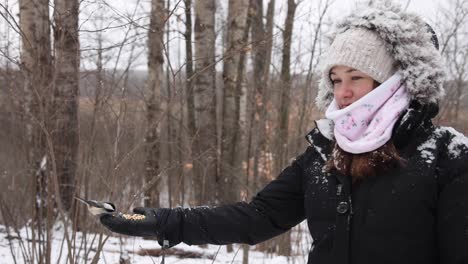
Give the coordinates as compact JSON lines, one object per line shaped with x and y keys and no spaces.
{"x":164,"y":103}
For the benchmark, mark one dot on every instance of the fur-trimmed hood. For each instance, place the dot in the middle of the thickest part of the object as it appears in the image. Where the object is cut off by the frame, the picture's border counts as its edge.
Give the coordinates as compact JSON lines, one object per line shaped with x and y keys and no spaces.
{"x":409,"y":40}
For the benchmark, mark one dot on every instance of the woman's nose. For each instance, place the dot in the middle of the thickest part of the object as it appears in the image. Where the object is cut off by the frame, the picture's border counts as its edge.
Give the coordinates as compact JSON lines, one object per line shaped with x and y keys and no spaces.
{"x":345,"y":91}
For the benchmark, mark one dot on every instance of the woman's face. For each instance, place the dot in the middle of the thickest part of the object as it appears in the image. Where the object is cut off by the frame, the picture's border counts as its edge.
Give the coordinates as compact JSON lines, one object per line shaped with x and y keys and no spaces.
{"x":349,"y":85}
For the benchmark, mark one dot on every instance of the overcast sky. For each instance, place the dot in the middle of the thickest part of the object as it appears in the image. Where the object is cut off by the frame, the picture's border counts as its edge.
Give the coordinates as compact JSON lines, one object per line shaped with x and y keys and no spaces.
{"x":307,"y":13}
{"x":427,"y":8}
{"x":135,"y":48}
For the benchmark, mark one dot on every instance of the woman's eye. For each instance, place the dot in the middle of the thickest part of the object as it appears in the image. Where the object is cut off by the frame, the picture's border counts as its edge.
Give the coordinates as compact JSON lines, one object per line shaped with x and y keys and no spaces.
{"x":354,"y":78}
{"x":335,"y":81}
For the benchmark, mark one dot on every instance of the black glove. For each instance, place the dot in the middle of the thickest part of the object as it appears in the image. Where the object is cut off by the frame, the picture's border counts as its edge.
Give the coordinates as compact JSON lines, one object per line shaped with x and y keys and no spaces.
{"x":133,"y":225}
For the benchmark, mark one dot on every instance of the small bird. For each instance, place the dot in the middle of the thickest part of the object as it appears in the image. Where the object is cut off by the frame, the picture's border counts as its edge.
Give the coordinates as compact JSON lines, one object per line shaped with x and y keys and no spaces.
{"x":97,"y":207}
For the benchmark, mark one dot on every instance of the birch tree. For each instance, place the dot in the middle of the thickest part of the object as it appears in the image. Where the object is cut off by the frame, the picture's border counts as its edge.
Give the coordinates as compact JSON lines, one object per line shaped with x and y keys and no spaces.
{"x":230,"y":171}
{"x":205,"y":170}
{"x":231,"y":135}
{"x":36,"y":68}
{"x":36,"y":62}
{"x":153,"y":101}
{"x":67,"y":63}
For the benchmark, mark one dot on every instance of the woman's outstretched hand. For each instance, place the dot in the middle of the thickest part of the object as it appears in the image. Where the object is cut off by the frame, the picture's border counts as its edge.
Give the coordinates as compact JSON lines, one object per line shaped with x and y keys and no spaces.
{"x":142,"y":223}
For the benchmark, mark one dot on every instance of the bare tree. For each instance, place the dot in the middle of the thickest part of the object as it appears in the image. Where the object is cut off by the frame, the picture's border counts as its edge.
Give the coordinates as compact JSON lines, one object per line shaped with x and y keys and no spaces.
{"x":205,"y":170}
{"x":36,"y":67}
{"x":282,"y":152}
{"x":170,"y":124}
{"x":230,"y":171}
{"x":454,"y":48}
{"x":308,"y":86}
{"x":191,"y":121}
{"x":262,"y":40}
{"x":244,"y":97}
{"x":230,"y":164}
{"x":153,"y":97}
{"x":258,"y":146}
{"x":67,"y":64}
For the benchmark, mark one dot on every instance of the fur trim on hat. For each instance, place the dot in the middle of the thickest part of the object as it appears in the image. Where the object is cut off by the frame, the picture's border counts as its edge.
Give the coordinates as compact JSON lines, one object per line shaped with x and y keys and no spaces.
{"x":410,"y":42}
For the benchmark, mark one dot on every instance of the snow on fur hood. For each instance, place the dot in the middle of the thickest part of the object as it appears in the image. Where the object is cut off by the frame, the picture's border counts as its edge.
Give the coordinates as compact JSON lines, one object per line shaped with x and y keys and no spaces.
{"x":410,"y":43}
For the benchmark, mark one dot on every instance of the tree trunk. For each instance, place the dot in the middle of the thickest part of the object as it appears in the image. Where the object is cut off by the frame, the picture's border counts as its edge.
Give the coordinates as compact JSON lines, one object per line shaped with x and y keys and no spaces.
{"x":263,"y":37}
{"x":282,"y":153}
{"x":191,"y":121}
{"x":184,"y":170}
{"x":170,"y":126}
{"x":36,"y":68}
{"x":262,"y":68}
{"x":205,"y":158}
{"x":282,"y":138}
{"x":153,"y":101}
{"x":230,"y":165}
{"x":230,"y":171}
{"x":243,"y":115}
{"x":67,"y":63}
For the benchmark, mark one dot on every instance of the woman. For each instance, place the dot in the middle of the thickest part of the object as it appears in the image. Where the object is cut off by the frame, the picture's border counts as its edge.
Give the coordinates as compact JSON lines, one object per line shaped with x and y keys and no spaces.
{"x":379,"y":182}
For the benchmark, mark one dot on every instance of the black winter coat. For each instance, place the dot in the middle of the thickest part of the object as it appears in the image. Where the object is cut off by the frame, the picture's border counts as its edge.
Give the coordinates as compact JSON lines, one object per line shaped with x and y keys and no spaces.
{"x":417,"y":214}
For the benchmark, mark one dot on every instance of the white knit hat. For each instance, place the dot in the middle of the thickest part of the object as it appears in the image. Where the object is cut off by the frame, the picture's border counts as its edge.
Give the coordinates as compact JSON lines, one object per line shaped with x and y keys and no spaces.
{"x":363,"y":50}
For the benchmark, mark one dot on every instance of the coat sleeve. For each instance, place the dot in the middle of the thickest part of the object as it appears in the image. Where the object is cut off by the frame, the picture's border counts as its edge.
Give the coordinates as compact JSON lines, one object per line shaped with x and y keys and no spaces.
{"x":452,"y":211}
{"x":274,"y":210}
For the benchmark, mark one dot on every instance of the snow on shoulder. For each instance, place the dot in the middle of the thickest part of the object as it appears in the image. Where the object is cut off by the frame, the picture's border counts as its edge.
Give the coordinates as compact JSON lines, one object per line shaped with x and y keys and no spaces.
{"x":458,"y":142}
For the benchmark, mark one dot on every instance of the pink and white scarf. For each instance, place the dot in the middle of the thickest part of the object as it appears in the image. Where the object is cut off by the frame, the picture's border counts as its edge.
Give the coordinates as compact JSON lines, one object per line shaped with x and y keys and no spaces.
{"x":367,"y":124}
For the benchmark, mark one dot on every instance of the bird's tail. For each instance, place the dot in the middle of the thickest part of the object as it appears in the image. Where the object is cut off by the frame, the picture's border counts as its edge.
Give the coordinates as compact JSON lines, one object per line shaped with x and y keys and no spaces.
{"x":81,"y":200}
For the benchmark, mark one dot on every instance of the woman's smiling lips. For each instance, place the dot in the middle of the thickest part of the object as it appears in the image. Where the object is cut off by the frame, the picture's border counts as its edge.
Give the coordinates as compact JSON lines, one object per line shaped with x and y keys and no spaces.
{"x":343,"y":106}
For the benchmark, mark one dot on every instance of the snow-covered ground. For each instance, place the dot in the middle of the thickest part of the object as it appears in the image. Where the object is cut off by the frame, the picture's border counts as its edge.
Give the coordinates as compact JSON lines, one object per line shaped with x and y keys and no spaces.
{"x":12,"y":248}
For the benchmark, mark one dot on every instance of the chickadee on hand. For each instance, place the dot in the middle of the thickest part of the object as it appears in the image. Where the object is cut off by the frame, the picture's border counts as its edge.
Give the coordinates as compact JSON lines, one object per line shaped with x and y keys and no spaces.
{"x":144,"y":222}
{"x":97,"y":207}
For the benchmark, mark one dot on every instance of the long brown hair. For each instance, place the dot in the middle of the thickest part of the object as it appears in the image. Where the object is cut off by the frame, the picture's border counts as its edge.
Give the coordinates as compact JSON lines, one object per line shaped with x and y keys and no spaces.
{"x":369,"y":164}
